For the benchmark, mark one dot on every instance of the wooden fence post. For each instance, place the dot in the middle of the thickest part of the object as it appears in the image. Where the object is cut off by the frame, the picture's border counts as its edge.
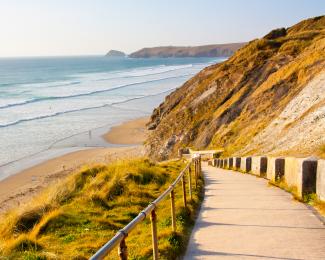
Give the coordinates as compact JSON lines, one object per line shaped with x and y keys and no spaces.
{"x":172,"y":204}
{"x":200,"y":166}
{"x":184,"y":190}
{"x":123,"y":250}
{"x":190,"y":182}
{"x":196,"y":174}
{"x":154,"y":235}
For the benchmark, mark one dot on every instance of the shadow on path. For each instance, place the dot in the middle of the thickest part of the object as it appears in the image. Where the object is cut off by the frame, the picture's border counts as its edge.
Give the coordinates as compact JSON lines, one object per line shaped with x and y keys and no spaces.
{"x":203,"y":253}
{"x":204,"y":224}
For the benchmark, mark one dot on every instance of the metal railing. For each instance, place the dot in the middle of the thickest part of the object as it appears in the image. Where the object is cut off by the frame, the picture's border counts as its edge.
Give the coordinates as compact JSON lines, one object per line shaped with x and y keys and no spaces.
{"x":119,"y":238}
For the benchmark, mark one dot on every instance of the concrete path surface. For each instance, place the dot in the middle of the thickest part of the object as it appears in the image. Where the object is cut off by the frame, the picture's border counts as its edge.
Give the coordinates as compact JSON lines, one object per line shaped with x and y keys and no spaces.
{"x":243,"y":218}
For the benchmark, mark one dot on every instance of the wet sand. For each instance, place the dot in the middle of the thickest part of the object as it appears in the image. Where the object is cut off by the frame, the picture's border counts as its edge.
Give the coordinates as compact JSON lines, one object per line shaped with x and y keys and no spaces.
{"x":20,"y":187}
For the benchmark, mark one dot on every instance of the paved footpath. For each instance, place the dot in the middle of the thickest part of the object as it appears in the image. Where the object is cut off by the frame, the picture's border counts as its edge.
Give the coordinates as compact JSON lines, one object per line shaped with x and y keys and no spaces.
{"x":242,"y":217}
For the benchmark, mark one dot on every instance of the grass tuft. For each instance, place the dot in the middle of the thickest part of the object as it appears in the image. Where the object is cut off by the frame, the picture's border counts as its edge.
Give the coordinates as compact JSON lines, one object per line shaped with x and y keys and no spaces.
{"x":313,"y":200}
{"x":322,"y":150}
{"x":23,"y":243}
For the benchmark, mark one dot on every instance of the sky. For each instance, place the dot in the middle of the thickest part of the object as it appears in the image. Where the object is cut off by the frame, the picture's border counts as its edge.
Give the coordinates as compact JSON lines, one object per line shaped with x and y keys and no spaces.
{"x":93,"y":27}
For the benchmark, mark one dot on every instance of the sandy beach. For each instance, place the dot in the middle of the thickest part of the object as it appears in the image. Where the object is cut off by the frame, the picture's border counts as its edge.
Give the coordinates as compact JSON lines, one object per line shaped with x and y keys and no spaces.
{"x":131,"y":132}
{"x":20,"y":187}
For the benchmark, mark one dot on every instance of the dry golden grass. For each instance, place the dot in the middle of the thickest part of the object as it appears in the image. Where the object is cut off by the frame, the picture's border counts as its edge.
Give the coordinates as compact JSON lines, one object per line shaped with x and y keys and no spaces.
{"x":76,"y":217}
{"x":322,"y":150}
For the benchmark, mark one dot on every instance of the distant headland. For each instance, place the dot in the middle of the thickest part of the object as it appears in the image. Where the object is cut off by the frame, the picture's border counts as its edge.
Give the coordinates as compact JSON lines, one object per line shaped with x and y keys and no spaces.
{"x":213,"y":50}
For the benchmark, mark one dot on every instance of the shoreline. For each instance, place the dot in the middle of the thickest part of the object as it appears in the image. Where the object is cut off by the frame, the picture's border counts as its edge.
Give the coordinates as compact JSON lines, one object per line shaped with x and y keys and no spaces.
{"x":26,"y":183}
{"x":128,"y":133}
{"x":91,"y":139}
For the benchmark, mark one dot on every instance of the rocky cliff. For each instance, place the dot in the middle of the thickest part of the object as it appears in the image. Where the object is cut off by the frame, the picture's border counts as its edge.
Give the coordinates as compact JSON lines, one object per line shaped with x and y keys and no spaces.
{"x":267,"y":98}
{"x":216,"y":50}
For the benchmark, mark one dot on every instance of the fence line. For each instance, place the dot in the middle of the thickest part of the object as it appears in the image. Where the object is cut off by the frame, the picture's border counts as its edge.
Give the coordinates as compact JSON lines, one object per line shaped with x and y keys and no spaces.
{"x":119,"y":238}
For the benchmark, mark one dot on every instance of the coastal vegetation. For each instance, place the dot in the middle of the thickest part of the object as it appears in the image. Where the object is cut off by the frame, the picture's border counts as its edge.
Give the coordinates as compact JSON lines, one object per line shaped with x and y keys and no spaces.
{"x":73,"y":219}
{"x":229,"y":105}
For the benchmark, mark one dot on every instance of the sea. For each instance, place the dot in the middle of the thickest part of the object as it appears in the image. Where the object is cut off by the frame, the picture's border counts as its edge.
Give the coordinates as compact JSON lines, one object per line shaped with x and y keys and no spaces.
{"x":54,"y":105}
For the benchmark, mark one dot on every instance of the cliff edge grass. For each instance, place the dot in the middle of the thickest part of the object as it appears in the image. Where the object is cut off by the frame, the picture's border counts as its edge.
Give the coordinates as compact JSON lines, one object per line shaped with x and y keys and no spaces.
{"x":228,"y":104}
{"x":74,"y":218}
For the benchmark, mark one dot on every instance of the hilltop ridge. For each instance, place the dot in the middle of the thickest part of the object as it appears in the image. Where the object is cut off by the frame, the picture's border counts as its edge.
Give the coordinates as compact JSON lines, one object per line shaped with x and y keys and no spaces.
{"x":236,"y":104}
{"x":213,"y":50}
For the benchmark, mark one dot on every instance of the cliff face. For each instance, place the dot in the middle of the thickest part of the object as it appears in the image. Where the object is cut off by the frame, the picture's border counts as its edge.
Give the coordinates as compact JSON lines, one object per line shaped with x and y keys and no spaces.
{"x":235,"y":105}
{"x":216,"y":50}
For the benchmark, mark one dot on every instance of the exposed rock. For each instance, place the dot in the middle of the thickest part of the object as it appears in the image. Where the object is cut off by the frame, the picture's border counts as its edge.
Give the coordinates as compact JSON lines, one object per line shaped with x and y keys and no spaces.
{"x":300,"y":126}
{"x":276,"y":34}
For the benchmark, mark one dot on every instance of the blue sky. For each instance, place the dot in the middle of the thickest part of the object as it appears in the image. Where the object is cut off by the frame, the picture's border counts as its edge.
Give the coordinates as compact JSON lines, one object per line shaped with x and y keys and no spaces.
{"x":81,"y":27}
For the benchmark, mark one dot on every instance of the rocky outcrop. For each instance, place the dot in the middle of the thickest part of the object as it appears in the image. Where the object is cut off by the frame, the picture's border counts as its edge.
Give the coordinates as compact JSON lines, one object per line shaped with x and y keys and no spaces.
{"x":114,"y":53}
{"x":235,"y":105}
{"x":276,"y":34}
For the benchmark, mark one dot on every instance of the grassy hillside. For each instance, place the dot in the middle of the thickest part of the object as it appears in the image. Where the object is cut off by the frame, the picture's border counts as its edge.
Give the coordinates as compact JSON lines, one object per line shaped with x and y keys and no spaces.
{"x":226,"y":105}
{"x":215,"y":50}
{"x":76,"y":217}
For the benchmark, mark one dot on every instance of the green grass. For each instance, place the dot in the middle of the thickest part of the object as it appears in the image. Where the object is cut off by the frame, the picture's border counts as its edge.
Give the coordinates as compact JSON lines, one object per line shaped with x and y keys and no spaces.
{"x":313,"y":200}
{"x":76,"y":217}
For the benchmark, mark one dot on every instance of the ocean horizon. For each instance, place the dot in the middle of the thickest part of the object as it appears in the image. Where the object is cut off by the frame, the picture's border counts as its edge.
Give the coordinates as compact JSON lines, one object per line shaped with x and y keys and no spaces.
{"x":54,"y":102}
